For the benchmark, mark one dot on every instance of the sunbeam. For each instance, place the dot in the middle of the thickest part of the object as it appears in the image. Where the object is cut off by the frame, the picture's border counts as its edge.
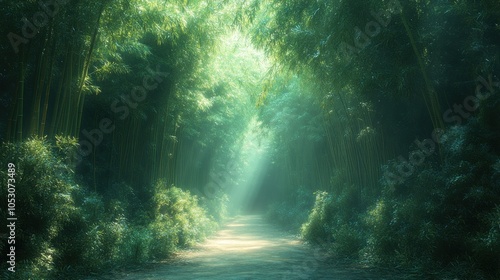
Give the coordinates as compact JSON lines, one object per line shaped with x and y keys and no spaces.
{"x":254,"y":163}
{"x":136,"y":132}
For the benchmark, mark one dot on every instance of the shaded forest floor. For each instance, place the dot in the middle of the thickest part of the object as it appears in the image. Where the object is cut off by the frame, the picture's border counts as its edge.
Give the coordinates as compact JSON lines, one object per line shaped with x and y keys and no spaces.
{"x":250,"y":248}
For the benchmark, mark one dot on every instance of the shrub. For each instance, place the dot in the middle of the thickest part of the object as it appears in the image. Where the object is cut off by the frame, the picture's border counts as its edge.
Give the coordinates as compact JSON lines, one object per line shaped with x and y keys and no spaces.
{"x":317,"y":229}
{"x":487,"y":244}
{"x":334,"y":221}
{"x":216,"y":207}
{"x":43,"y":201}
{"x":349,"y":240}
{"x":447,"y":213}
{"x":178,"y":220}
{"x":63,"y":226}
{"x":165,"y":237}
{"x":136,"y":245}
{"x":293,"y":211}
{"x":66,"y":148}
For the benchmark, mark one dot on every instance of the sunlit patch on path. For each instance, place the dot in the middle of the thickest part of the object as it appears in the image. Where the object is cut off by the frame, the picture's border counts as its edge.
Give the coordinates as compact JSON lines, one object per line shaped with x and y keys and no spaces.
{"x":249,"y":248}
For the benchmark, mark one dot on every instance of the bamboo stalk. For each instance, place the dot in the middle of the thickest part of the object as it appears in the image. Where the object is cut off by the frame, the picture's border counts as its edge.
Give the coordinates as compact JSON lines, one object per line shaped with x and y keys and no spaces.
{"x":86,"y":65}
{"x":39,"y":81}
{"x":47,"y":94}
{"x":430,"y":98}
{"x":20,"y":101}
{"x":58,"y":102}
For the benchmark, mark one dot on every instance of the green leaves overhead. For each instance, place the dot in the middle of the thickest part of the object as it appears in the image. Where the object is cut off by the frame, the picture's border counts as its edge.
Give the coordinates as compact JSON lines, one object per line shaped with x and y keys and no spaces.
{"x":225,"y":91}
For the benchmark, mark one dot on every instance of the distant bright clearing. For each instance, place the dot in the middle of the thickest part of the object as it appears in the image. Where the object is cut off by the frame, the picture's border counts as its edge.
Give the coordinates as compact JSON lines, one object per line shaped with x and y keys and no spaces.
{"x":254,"y":154}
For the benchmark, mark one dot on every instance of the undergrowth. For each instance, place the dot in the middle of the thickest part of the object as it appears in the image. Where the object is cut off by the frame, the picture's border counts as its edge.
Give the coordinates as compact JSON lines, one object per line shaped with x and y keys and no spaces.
{"x":64,"y":229}
{"x":444,"y":220}
{"x":291,"y":212}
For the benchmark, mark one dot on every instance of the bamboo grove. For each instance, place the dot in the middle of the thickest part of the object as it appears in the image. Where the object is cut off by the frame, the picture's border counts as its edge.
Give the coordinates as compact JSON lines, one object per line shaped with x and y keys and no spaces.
{"x":145,"y":100}
{"x":370,"y":84}
{"x":62,"y":53}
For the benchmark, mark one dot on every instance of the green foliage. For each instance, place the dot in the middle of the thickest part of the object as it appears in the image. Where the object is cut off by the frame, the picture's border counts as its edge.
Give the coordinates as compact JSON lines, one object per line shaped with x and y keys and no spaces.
{"x":214,"y":106}
{"x":178,"y":220}
{"x":401,"y":232}
{"x":334,"y":221}
{"x":293,"y":211}
{"x":446,"y":214}
{"x":349,"y":240}
{"x":66,"y":147}
{"x":293,"y":113}
{"x":43,"y":201}
{"x":137,"y":245}
{"x":99,"y":236}
{"x":102,"y":235}
{"x":317,"y":229}
{"x":486,"y":244}
{"x":216,"y":207}
{"x":165,"y":235}
{"x":340,"y":115}
{"x":72,"y":228}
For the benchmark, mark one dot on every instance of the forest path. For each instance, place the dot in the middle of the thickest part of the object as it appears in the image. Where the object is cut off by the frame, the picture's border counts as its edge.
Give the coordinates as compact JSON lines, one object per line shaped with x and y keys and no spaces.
{"x":250,"y":248}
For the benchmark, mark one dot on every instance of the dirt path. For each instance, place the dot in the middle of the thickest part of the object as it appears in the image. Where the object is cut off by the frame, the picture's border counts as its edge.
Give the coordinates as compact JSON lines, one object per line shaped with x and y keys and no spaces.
{"x":250,"y":248}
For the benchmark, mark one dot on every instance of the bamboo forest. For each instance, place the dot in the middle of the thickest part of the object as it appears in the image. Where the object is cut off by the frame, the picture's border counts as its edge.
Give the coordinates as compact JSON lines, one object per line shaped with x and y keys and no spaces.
{"x":250,"y":139}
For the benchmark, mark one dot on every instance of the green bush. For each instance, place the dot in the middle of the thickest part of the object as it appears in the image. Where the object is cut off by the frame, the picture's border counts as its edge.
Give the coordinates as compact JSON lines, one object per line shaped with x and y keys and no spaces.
{"x":43,"y":202}
{"x":447,"y":213}
{"x":100,"y":236}
{"x":349,"y":240}
{"x":103,"y":242}
{"x":317,"y":228}
{"x":136,"y":245}
{"x":293,"y":211}
{"x":335,"y":222}
{"x":165,"y":237}
{"x":178,"y":220}
{"x":399,"y":232}
{"x":216,"y":206}
{"x":63,"y":229}
{"x":486,"y":244}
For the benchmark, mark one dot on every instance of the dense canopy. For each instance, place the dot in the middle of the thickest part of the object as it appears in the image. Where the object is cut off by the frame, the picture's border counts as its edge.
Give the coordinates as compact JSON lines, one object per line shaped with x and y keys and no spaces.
{"x":132,"y":129}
